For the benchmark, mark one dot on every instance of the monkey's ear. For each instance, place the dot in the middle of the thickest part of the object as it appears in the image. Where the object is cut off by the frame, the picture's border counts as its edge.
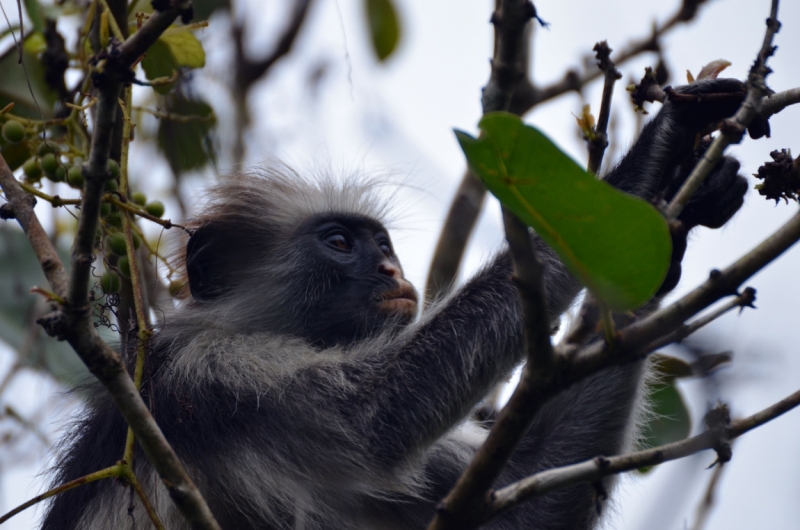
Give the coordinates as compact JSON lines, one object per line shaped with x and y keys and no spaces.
{"x":206,"y":263}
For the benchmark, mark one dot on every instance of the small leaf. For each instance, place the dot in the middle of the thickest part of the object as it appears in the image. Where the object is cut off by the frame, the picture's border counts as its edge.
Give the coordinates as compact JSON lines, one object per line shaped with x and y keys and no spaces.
{"x":186,"y":49}
{"x":615,"y":244}
{"x":169,"y":53}
{"x":384,"y":27}
{"x":158,"y":62}
{"x":670,"y":420}
{"x":670,"y":368}
{"x":35,"y":43}
{"x":713,"y":69}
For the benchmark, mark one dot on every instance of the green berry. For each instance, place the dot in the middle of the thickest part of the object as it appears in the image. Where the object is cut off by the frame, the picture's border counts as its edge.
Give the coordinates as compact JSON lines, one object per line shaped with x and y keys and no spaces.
{"x":75,"y":177}
{"x":45,"y":149}
{"x":110,"y":282}
{"x":139,"y":198}
{"x":114,"y":219}
{"x":112,"y":185}
{"x":155,"y":208}
{"x":105,"y":209}
{"x":13,"y":132}
{"x":113,"y":169}
{"x":32,"y":170}
{"x":124,"y":266}
{"x":60,"y":175}
{"x":116,"y":244}
{"x":49,"y":164}
{"x":137,"y":241}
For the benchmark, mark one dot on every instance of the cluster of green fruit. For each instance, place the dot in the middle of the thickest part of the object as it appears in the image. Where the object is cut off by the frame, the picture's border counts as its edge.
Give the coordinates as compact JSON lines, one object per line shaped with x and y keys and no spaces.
{"x":115,"y":243}
{"x":48,"y":164}
{"x":115,"y":240}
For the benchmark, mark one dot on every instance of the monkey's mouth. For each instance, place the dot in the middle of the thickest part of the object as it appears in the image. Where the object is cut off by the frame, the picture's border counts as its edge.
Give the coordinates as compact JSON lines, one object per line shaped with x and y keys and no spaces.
{"x":402,"y":299}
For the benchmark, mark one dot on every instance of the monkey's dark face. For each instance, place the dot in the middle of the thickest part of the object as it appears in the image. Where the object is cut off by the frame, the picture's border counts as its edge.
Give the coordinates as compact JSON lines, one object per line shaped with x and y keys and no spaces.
{"x":353,"y":284}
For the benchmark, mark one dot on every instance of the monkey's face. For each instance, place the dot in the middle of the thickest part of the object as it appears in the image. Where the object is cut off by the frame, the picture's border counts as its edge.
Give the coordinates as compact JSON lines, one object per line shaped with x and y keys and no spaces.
{"x":353,"y":285}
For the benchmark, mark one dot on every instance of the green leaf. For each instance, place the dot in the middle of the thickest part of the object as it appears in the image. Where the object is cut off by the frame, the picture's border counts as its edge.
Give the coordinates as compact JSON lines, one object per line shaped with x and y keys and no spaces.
{"x":175,"y":49}
{"x":19,"y":271}
{"x":187,"y":144}
{"x":615,"y":244}
{"x":669,"y":421}
{"x":14,"y":84}
{"x":15,"y":154}
{"x":34,"y":14}
{"x":186,"y":49}
{"x":670,"y":368}
{"x":384,"y":27}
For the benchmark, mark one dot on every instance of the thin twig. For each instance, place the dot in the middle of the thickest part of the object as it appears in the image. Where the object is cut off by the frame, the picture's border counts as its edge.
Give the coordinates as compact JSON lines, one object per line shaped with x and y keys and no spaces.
{"x":599,"y":141}
{"x":704,"y":508}
{"x":745,"y":299}
{"x":597,"y":468}
{"x":109,"y":472}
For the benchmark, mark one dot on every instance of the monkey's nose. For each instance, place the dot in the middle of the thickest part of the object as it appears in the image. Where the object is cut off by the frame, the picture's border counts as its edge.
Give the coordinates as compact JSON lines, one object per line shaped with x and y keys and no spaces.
{"x":390,"y":269}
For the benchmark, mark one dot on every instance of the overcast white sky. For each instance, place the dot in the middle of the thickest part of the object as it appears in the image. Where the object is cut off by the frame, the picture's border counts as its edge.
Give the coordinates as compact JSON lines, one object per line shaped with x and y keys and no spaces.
{"x":398,"y":119}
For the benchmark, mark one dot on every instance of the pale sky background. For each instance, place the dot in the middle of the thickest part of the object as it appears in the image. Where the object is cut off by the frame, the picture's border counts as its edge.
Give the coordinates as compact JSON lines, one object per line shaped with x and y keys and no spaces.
{"x":397,"y":119}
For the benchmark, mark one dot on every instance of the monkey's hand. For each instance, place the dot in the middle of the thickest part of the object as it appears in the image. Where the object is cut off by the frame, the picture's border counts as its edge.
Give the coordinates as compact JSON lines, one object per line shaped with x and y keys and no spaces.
{"x":698,"y":108}
{"x":715,"y":202}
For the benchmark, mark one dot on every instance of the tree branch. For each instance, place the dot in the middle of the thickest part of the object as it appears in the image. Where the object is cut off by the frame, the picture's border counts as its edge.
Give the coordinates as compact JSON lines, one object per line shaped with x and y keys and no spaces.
{"x":597,"y":468}
{"x":509,"y":66}
{"x":249,"y":71}
{"x":775,"y":103}
{"x":599,"y":142}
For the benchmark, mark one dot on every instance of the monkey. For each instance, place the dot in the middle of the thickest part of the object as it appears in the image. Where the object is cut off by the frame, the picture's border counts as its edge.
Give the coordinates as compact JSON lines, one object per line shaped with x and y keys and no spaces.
{"x":301,"y":391}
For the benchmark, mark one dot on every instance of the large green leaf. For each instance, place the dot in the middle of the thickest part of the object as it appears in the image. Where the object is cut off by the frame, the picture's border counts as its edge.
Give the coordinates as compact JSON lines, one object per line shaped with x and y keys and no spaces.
{"x":617,"y":245}
{"x":384,"y":26}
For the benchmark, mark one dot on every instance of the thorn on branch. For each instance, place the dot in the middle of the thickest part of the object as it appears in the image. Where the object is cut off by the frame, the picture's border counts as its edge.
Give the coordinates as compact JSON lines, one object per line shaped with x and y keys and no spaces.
{"x":747,"y":299}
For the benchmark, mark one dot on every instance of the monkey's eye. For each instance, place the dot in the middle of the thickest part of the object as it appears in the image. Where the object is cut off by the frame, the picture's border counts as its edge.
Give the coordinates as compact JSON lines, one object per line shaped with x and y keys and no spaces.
{"x":386,"y":249}
{"x":339,"y":241}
